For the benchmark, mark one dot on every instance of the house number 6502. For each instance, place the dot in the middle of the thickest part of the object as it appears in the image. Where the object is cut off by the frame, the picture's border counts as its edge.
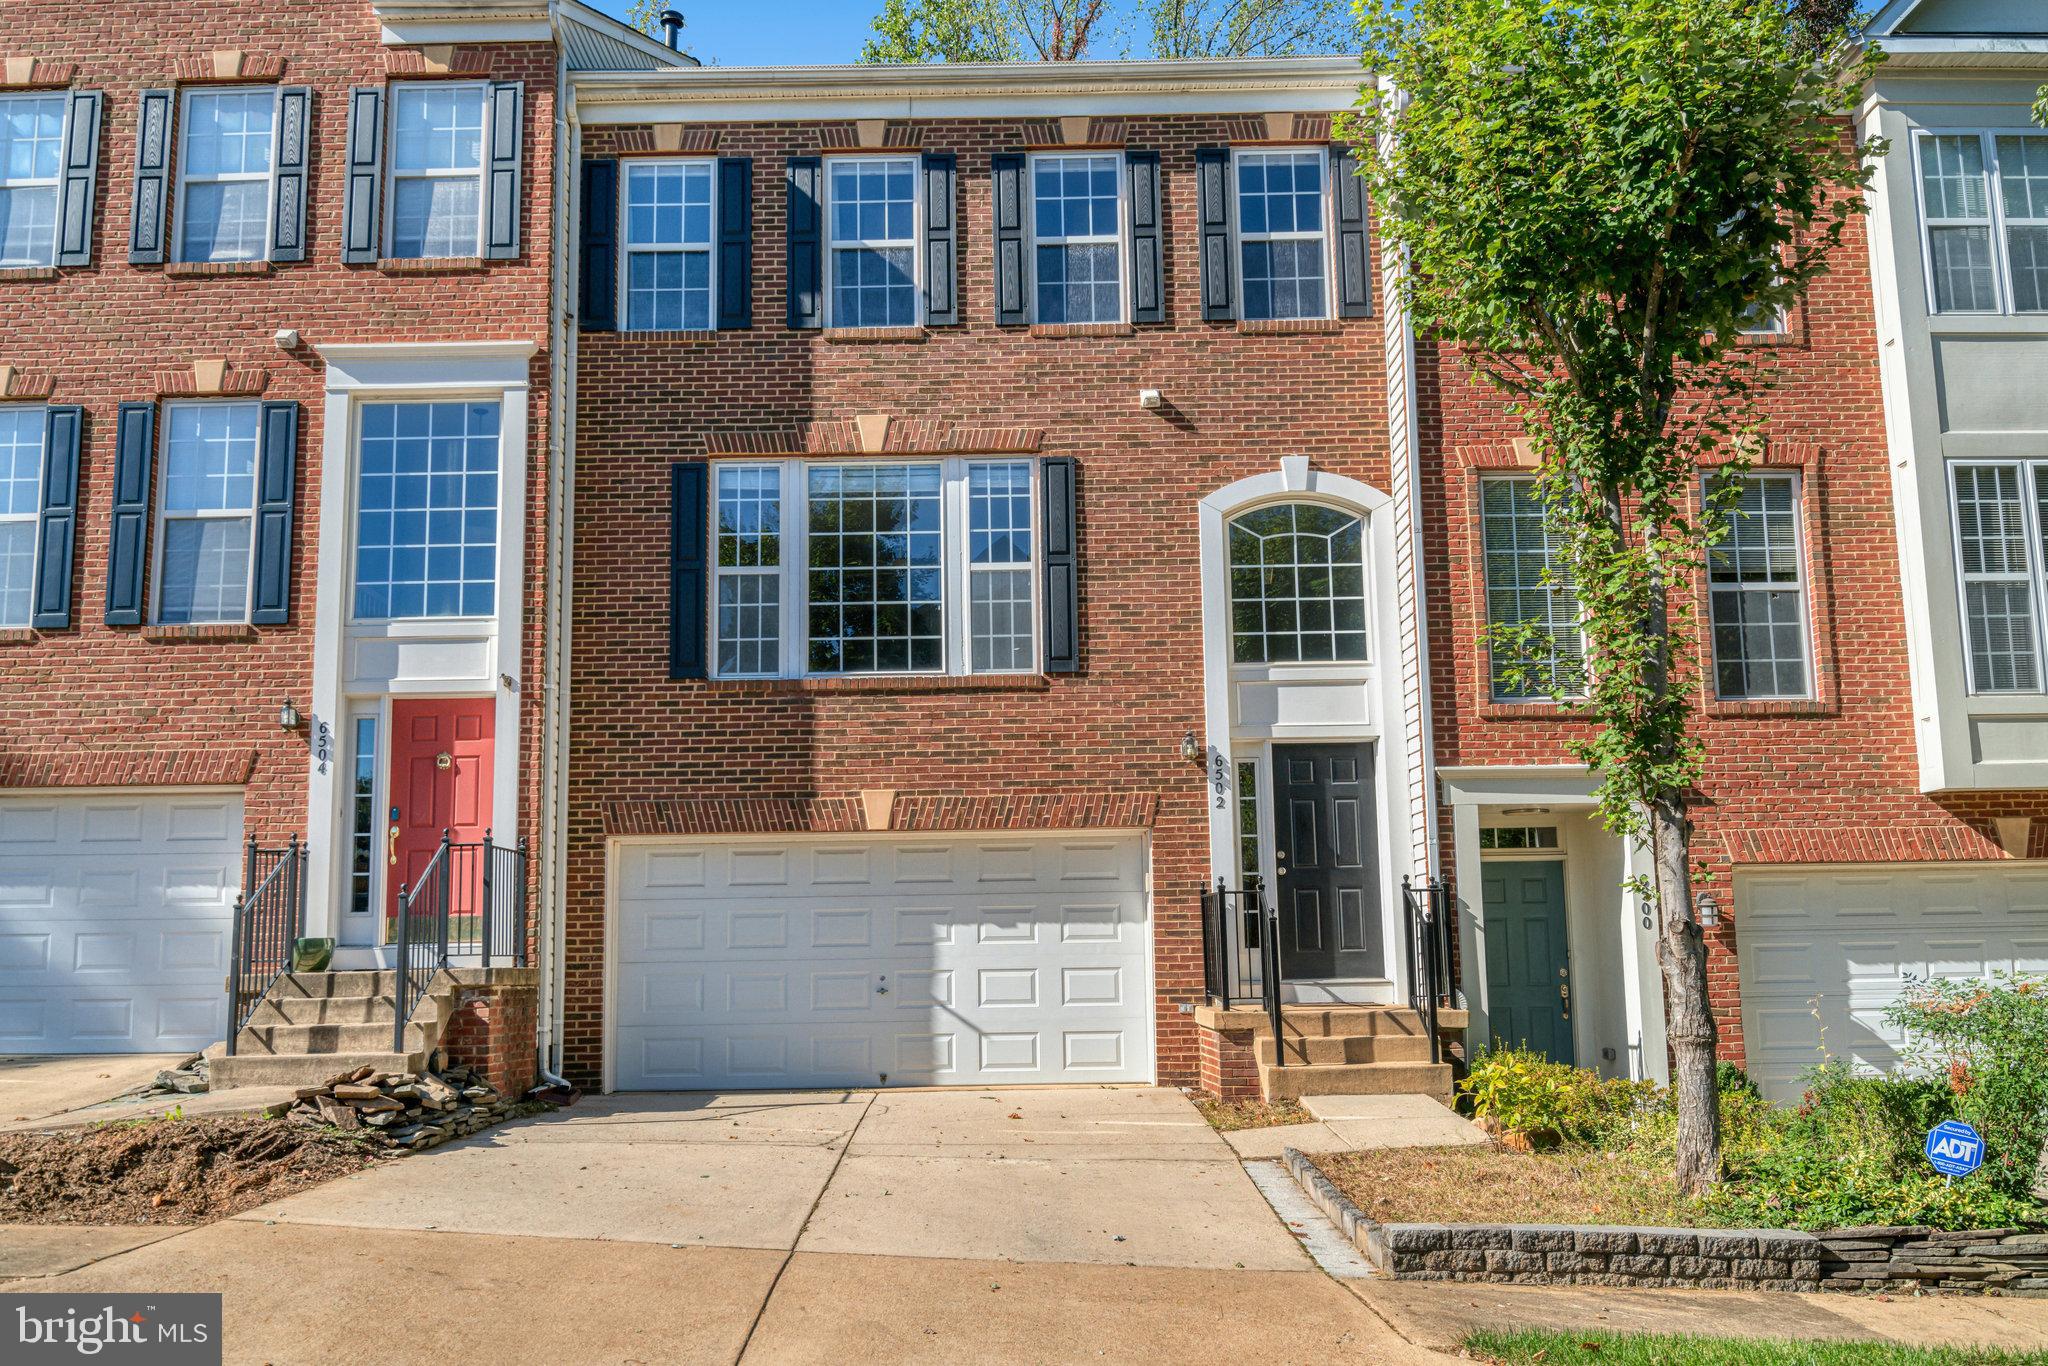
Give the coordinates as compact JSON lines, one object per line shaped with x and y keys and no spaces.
{"x":1219,"y":778}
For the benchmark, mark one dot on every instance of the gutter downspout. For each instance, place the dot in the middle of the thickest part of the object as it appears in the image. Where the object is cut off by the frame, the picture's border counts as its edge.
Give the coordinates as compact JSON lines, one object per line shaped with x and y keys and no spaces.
{"x":552,"y":928}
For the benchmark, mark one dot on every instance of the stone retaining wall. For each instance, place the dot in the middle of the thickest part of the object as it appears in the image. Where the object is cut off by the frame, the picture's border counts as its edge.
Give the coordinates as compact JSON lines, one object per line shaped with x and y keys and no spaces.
{"x":2010,"y":1261}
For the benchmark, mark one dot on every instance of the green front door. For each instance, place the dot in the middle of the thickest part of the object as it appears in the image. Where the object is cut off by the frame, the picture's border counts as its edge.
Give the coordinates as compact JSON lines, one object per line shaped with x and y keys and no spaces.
{"x":1528,"y":965}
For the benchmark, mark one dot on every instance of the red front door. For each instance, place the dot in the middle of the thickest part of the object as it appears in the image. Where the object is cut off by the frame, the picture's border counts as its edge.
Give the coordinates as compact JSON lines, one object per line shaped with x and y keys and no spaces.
{"x":441,"y":757}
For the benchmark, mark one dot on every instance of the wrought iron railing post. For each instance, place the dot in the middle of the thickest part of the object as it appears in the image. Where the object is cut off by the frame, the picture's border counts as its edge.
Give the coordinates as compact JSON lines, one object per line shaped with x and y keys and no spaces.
{"x":399,"y":986}
{"x":489,"y":907}
{"x":298,"y":890}
{"x":235,"y":974}
{"x":441,"y":918}
{"x":1270,"y":961}
{"x":519,"y":921}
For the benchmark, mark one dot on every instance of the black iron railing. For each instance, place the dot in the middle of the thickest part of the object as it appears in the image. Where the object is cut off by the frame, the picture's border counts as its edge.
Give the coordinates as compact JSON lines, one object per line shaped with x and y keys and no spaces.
{"x":469,"y":902}
{"x":270,"y":915}
{"x":1241,"y":951}
{"x":1428,"y":916}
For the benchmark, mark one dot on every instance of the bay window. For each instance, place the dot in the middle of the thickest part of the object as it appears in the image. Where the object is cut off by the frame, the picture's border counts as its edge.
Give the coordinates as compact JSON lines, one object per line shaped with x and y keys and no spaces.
{"x":1998,"y":519}
{"x":1984,"y":215}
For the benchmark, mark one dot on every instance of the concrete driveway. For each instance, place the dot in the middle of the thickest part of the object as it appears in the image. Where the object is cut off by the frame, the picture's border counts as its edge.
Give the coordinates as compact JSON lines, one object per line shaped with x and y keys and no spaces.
{"x":1043,"y":1225}
{"x":38,"y":1086}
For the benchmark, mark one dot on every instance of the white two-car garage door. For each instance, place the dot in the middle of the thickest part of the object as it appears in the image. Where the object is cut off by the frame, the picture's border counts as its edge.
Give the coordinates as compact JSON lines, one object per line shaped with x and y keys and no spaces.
{"x":971,"y":960}
{"x":1824,"y":952}
{"x":114,"y":920}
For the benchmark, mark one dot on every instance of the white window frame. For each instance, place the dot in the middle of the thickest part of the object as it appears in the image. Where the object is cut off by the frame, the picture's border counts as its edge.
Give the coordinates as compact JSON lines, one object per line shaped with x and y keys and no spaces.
{"x":378,"y":714}
{"x":164,"y":516}
{"x":53,"y":183}
{"x":1328,"y":235}
{"x":1121,"y":239}
{"x":956,"y":597}
{"x":1493,"y":692}
{"x":33,"y":516}
{"x":481,"y":173}
{"x":186,"y":178}
{"x":914,"y":243}
{"x":1269,"y":668}
{"x":1801,"y":585}
{"x":2036,"y":576}
{"x":627,"y":251}
{"x":507,"y":523}
{"x":1996,"y":221}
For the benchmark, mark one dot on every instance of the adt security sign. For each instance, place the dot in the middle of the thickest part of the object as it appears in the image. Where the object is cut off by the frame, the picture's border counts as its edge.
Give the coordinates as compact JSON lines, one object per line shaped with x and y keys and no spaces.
{"x":1955,"y":1148}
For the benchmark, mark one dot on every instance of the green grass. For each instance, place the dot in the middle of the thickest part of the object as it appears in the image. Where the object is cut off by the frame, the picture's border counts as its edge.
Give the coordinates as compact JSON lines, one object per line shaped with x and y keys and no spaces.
{"x":1645,"y":1349}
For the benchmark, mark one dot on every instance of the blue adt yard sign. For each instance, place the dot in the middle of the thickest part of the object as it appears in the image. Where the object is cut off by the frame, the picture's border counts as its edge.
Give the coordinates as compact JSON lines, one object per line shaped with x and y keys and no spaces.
{"x":1954,"y":1148}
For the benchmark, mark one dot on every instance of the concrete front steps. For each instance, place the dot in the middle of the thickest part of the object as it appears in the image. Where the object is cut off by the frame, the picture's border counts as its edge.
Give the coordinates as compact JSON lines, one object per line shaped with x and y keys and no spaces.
{"x":311,"y":1025}
{"x":1344,"y":1050}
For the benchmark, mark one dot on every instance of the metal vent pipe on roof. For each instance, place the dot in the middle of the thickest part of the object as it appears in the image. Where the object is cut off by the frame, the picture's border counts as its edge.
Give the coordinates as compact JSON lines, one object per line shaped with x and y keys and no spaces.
{"x":672,"y":27}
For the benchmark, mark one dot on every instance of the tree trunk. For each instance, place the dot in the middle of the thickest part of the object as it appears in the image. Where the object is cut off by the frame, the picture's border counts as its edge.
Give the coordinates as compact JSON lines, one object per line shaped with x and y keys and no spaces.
{"x":1682,"y":952}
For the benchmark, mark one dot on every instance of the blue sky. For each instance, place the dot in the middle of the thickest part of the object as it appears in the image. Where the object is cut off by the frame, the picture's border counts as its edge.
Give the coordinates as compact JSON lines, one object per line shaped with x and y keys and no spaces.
{"x":770,"y":32}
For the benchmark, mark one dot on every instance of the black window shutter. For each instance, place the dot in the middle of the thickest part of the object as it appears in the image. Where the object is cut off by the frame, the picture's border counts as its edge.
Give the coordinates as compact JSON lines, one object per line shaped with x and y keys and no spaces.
{"x":1062,"y":567}
{"x":80,"y":181}
{"x":1148,"y":289}
{"x":941,"y":240}
{"x":1212,"y":175}
{"x":507,"y":128}
{"x":599,"y":311}
{"x":1006,"y":171}
{"x":735,"y":243}
{"x":128,"y":546}
{"x":688,"y":581}
{"x":288,"y":181}
{"x":152,"y":177}
{"x":806,"y":241}
{"x":1354,"y":256}
{"x":362,"y":199}
{"x":57,"y":527}
{"x":276,"y":475}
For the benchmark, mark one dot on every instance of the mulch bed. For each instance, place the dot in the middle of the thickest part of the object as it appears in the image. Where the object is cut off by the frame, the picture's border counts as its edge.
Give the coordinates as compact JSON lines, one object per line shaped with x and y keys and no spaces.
{"x":1228,"y":1116}
{"x":1491,"y":1185}
{"x":167,"y":1170}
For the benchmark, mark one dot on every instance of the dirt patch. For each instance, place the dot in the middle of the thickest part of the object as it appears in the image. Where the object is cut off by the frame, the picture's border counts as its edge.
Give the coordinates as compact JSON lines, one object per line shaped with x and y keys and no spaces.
{"x":166,"y":1170}
{"x":1228,"y":1116}
{"x":1489,"y":1185}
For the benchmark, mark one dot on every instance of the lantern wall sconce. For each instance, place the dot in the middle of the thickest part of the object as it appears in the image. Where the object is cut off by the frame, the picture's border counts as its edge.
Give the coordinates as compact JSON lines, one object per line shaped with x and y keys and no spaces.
{"x":1191,"y":748}
{"x":287,"y":716}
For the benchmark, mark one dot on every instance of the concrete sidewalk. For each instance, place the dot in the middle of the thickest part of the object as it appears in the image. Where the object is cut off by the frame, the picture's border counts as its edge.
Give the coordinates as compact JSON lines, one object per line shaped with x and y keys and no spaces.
{"x":1349,"y":1123}
{"x":36,"y":1086}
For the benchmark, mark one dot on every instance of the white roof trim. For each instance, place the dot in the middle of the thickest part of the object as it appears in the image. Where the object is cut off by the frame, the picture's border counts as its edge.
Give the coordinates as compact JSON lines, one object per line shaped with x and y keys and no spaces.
{"x":1892,"y":15}
{"x":1013,"y":89}
{"x":407,"y":23}
{"x":428,"y":365}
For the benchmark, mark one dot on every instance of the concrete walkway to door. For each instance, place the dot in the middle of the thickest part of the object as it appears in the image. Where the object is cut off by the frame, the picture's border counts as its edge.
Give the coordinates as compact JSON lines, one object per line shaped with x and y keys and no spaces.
{"x":1041,"y":1225}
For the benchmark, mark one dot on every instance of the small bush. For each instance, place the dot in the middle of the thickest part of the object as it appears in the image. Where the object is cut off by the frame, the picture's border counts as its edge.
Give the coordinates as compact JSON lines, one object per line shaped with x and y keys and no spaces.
{"x":1987,"y":1044}
{"x":1526,"y":1093}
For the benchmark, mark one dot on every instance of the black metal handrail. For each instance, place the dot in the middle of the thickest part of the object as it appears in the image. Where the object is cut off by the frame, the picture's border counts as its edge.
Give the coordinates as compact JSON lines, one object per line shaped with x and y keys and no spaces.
{"x":470,"y":900}
{"x":1428,"y":910}
{"x":269,"y":917}
{"x":1241,"y":951}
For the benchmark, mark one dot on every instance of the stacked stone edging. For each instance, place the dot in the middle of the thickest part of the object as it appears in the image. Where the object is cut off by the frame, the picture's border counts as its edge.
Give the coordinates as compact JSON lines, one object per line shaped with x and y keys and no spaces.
{"x":1881,"y":1257}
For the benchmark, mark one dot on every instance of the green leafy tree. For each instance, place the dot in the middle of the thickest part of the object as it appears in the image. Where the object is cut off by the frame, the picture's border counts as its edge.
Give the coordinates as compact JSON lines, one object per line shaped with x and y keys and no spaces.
{"x":645,"y":15}
{"x":1250,"y":28}
{"x":1592,"y":197}
{"x":913,"y":32}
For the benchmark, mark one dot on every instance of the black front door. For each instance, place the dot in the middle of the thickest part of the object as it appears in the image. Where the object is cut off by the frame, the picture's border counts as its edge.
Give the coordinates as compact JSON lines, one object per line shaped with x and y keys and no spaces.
{"x":1326,"y":823}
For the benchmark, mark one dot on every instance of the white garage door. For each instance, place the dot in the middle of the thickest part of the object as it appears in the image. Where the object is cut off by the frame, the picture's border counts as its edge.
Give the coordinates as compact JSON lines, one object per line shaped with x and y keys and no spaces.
{"x":1823,"y":953}
{"x":864,"y":962}
{"x":114,"y":914}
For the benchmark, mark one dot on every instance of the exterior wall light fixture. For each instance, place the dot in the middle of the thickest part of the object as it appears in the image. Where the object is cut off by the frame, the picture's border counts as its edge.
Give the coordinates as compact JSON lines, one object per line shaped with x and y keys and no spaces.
{"x":288,"y":716}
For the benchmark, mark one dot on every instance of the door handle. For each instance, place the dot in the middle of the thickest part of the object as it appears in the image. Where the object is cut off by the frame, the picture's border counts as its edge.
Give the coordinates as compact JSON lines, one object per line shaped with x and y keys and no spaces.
{"x":394,"y":844}
{"x":1564,"y":994}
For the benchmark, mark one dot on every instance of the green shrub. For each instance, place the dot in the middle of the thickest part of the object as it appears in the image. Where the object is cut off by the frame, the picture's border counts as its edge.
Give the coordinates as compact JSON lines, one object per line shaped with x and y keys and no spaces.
{"x":1988,"y":1042}
{"x":1526,"y":1093}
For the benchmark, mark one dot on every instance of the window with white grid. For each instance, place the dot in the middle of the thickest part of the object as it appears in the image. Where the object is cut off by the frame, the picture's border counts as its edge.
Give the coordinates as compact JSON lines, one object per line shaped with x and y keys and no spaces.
{"x":427,"y":511}
{"x":749,"y":569}
{"x":1076,"y":221}
{"x":1282,"y":230}
{"x":21,"y":495}
{"x":1998,"y":559}
{"x":1756,"y":582}
{"x":224,"y":164}
{"x":206,"y":512}
{"x":1297,"y":585}
{"x":1984,"y":205}
{"x":437,"y":170}
{"x":877,"y":579}
{"x":999,"y":597}
{"x":31,"y":161}
{"x":871,"y":207}
{"x":668,"y":246}
{"x":1532,"y":615}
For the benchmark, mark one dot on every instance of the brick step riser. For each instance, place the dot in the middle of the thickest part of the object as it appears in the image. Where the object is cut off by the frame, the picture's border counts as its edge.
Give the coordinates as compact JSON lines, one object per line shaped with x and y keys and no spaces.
{"x":1357,"y":1079}
{"x":1389,"y":1022}
{"x":1347,"y":1048}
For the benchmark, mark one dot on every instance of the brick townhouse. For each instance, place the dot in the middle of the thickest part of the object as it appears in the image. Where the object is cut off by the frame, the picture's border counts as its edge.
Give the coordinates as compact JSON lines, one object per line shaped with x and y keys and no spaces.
{"x":276,"y":405}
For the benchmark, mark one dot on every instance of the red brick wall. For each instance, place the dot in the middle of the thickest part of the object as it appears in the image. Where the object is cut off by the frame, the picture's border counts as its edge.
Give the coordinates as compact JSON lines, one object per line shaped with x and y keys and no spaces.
{"x":1235,"y":404}
{"x":93,"y":703}
{"x":492,"y":1030}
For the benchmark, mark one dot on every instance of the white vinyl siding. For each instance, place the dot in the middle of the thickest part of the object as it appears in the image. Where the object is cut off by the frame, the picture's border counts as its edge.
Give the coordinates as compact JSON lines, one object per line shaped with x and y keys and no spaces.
{"x":21,"y":495}
{"x":1756,"y":581}
{"x":1077,"y":238}
{"x":669,"y":278}
{"x":31,"y":163}
{"x":224,"y":167}
{"x":437,"y":171}
{"x":872,"y":223}
{"x":206,"y":512}
{"x":824,"y":568}
{"x":1283,"y":216}
{"x":1999,"y":561}
{"x":1984,"y":211}
{"x":1527,"y":586}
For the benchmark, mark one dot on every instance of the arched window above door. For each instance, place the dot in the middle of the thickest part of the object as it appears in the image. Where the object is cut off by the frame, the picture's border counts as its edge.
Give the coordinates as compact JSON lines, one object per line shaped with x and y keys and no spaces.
{"x":1297,"y":585}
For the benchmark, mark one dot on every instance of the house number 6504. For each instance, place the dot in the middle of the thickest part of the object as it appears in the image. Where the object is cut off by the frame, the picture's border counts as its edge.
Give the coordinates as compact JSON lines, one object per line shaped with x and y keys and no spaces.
{"x":323,"y":744}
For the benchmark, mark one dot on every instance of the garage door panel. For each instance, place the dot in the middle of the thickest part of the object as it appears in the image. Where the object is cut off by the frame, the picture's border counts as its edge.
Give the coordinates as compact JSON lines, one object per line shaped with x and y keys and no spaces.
{"x":839,"y":962}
